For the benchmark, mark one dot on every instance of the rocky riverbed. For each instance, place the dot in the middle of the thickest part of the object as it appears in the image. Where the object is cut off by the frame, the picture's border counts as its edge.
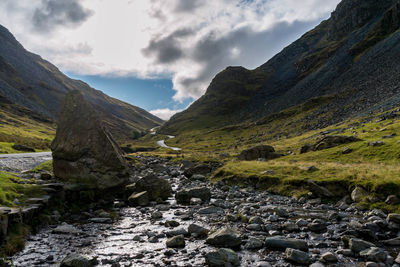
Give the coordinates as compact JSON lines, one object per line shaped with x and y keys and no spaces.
{"x":236,"y":226}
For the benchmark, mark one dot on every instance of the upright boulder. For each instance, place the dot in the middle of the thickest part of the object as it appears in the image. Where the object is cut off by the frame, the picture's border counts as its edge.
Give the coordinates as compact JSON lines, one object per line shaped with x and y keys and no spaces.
{"x":84,"y":152}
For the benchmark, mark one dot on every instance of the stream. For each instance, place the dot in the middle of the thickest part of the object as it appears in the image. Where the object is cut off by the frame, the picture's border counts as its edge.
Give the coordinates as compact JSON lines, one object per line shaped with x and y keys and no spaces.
{"x":139,"y":237}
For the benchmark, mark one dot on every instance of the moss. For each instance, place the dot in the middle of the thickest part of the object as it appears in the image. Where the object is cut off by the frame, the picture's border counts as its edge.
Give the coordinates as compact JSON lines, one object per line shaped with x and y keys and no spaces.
{"x":242,"y":218}
{"x":11,"y":189}
{"x":44,"y":167}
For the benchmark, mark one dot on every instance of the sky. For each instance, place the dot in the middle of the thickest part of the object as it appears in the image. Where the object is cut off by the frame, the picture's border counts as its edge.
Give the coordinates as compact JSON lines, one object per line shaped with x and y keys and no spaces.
{"x":158,"y":54}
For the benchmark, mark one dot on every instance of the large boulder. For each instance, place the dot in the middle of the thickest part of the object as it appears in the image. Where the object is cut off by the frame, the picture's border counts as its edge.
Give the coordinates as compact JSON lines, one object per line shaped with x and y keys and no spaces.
{"x":84,"y":152}
{"x":328,"y":142}
{"x":156,"y":187}
{"x":225,"y":237}
{"x":184,"y":196}
{"x":222,"y":257}
{"x":202,"y":169}
{"x":257,"y":152}
{"x":282,"y":243}
{"x":76,"y":260}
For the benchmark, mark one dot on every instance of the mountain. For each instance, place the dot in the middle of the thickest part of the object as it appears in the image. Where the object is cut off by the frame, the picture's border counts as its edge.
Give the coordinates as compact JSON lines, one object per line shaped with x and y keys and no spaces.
{"x":345,"y":67}
{"x":32,"y":84}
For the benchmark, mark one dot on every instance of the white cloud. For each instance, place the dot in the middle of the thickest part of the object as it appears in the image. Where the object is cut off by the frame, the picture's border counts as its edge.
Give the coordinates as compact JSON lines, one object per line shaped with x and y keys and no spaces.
{"x":189,"y":41}
{"x":164,"y":113}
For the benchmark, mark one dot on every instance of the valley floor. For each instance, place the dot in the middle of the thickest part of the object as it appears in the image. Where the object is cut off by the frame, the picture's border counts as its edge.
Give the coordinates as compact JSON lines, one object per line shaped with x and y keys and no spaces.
{"x":258,"y":226}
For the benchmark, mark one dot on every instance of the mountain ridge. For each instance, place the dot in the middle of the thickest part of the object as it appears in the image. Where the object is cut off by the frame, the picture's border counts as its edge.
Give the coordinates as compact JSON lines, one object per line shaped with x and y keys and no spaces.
{"x":352,"y":55}
{"x":29,"y":81}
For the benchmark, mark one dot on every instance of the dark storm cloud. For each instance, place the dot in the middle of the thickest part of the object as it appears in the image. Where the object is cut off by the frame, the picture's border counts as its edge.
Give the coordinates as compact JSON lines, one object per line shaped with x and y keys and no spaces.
{"x":167,"y":49}
{"x":187,"y":5}
{"x":215,"y":53}
{"x":55,"y":13}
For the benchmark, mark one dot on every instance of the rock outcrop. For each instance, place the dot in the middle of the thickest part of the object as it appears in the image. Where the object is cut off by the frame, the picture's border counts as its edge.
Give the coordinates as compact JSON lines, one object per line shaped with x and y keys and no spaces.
{"x":259,"y":152}
{"x":84,"y":152}
{"x":329,"y":142}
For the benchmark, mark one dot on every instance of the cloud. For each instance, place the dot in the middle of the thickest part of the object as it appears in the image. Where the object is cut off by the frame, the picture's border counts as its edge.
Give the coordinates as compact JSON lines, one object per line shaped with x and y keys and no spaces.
{"x":187,"y":6}
{"x":54,"y":13}
{"x":164,"y":113}
{"x":213,"y":52}
{"x":167,"y":49}
{"x":187,"y":41}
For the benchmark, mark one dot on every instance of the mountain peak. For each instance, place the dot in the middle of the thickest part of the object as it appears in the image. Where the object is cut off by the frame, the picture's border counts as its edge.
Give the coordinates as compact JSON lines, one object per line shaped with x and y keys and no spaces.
{"x":353,"y":14}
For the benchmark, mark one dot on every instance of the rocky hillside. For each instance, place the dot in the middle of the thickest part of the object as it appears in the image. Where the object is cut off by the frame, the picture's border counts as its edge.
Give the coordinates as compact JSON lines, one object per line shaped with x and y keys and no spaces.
{"x":30,"y":82}
{"x":347,"y":66}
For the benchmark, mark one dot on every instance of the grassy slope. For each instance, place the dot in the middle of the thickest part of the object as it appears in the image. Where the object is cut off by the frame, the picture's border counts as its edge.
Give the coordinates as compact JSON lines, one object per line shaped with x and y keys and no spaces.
{"x":18,"y":127}
{"x":375,"y":168}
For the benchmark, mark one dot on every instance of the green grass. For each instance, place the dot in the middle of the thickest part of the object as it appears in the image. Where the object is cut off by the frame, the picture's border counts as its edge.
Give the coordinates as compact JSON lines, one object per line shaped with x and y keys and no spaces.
{"x":44,"y":167}
{"x":10,"y":189}
{"x":17,"y":127}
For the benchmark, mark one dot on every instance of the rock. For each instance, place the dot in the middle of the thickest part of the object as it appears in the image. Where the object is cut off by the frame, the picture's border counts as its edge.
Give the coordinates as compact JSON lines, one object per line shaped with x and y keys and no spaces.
{"x":282,"y":243}
{"x":256,"y":220}
{"x":392,"y":200}
{"x":306,"y":148}
{"x":156,"y":215}
{"x":45,"y":176}
{"x":172,"y":224}
{"x":317,"y":264}
{"x":376,"y":143}
{"x":254,"y":227}
{"x":254,"y":243}
{"x":317,"y":226}
{"x":393,"y":218}
{"x":66,"y":229}
{"x":176,"y":232}
{"x":222,"y":257}
{"x":84,"y":152}
{"x":297,"y":256}
{"x":195,"y":201}
{"x":329,"y":257}
{"x":184,"y":196}
{"x":225,"y":237}
{"x":139,"y":199}
{"x":257,"y":152}
{"x":101,"y":220}
{"x":318,"y":190}
{"x":347,"y":150}
{"x":302,"y":223}
{"x":76,"y":260}
{"x":176,"y":242}
{"x":291,"y":227}
{"x":392,"y":242}
{"x":329,"y":142}
{"x":202,"y":169}
{"x":358,"y":194}
{"x":156,"y":187}
{"x":211,"y":210}
{"x":263,"y":264}
{"x":357,"y":245}
{"x":374,"y":254}
{"x":197,"y":230}
{"x":397,"y":260}
{"x":23,"y":148}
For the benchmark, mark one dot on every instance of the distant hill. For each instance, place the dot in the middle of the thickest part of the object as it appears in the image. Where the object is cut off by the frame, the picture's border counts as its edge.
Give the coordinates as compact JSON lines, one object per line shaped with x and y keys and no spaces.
{"x":32,"y":84}
{"x":347,"y":66}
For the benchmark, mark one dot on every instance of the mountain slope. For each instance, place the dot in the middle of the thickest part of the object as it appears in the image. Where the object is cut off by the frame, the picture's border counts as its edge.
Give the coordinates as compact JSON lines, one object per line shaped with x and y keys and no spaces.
{"x":350,"y":61}
{"x":30,"y":82}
